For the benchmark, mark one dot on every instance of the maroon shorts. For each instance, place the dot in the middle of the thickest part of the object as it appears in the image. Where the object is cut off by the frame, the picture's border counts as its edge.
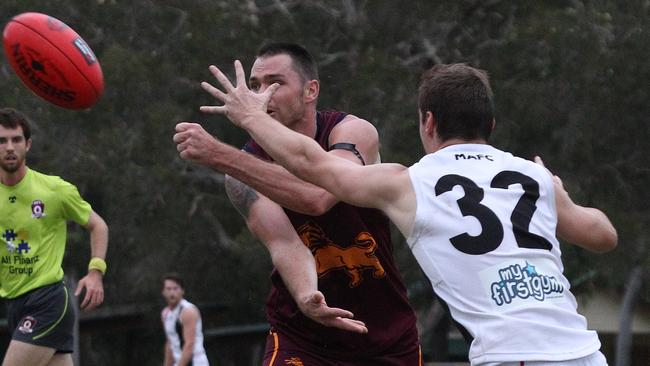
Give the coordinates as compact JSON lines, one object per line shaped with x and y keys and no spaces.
{"x":281,"y":351}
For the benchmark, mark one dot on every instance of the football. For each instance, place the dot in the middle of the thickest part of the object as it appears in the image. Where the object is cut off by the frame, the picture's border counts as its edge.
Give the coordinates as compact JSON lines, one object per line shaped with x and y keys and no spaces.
{"x":53,"y":61}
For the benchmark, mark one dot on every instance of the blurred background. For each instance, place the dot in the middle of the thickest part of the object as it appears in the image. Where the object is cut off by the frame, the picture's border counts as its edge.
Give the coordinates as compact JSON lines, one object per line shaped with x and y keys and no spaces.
{"x":571,"y":81}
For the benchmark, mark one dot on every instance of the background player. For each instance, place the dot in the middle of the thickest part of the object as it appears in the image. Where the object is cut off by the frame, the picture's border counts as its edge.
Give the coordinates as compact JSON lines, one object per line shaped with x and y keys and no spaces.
{"x":34,"y":209}
{"x":183,"y":327}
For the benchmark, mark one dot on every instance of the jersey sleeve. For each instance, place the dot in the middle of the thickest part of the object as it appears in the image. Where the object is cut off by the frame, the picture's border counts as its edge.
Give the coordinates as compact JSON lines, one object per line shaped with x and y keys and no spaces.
{"x":74,"y":208}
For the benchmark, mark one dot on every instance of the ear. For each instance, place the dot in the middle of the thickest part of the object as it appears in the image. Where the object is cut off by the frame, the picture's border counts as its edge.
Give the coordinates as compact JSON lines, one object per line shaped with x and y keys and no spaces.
{"x":494,"y":124}
{"x":430,"y":124}
{"x":28,"y":144}
{"x":312,"y":89}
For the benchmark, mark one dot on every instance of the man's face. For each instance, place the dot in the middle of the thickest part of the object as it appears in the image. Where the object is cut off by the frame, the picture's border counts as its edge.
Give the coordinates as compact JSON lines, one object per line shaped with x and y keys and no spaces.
{"x":13,"y":148}
{"x":172,"y":292}
{"x":287,"y":104}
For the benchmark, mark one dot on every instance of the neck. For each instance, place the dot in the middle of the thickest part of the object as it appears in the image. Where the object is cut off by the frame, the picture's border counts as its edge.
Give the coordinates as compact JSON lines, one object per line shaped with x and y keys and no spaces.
{"x":13,"y":178}
{"x":174,"y":305}
{"x":306,"y":125}
{"x":438,"y":145}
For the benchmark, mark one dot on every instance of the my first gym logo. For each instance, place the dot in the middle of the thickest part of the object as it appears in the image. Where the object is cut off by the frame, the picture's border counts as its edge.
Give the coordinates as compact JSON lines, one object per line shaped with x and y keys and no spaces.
{"x":523,"y":282}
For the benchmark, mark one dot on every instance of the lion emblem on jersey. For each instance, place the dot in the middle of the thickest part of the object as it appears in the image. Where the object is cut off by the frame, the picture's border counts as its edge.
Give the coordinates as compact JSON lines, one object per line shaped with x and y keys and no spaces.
{"x":353,"y":260}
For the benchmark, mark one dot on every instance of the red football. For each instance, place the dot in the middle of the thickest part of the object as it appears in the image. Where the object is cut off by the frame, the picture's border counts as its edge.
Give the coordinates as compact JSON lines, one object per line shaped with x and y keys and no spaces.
{"x":53,"y":60}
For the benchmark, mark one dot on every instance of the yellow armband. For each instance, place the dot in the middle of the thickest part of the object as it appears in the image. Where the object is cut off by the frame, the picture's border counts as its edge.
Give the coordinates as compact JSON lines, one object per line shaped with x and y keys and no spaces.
{"x":98,"y":264}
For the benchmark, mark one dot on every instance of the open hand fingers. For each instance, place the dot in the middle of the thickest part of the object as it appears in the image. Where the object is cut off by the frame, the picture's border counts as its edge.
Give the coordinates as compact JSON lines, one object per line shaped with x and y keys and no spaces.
{"x":539,"y":161}
{"x":213,"y":109}
{"x":240,"y":75}
{"x":328,"y":312}
{"x":268,"y":93}
{"x":350,"y":325}
{"x":93,"y":297}
{"x":342,"y":319}
{"x":556,"y":180}
{"x":221,"y":77}
{"x":238,"y":101}
{"x":215,"y":92}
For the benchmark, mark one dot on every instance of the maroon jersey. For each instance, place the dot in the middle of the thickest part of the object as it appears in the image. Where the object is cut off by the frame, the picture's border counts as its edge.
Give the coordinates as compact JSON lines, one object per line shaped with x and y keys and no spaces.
{"x":356,"y":271}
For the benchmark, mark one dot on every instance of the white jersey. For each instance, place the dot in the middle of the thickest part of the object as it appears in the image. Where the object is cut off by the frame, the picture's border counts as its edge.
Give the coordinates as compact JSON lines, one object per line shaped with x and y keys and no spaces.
{"x":174,"y":333}
{"x":484,"y":234}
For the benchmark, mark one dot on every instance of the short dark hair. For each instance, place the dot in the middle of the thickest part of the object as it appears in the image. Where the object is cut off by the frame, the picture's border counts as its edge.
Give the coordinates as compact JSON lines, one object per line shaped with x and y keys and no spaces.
{"x":11,"y":118}
{"x":460,"y":99}
{"x":302,"y":60}
{"x":173,"y":276}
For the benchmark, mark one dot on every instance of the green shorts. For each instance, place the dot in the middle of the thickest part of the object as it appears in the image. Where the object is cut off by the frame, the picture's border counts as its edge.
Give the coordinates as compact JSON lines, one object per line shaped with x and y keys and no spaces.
{"x":44,"y":317}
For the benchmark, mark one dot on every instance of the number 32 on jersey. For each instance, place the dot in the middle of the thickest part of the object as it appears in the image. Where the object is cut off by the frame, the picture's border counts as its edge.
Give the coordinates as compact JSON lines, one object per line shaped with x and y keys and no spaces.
{"x":491,"y":234}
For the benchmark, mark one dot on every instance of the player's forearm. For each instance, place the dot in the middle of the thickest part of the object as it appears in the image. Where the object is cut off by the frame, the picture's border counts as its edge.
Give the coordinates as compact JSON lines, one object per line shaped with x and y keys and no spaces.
{"x":98,"y":236}
{"x":268,"y":222}
{"x":168,"y":361}
{"x":273,"y":181}
{"x":168,"y":356}
{"x":297,"y":267}
{"x":99,"y":244}
{"x":296,"y":152}
{"x":186,"y":354}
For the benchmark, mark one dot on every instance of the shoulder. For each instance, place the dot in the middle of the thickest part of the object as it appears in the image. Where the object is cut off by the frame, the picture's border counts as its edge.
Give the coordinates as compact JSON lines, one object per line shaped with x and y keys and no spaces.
{"x":352,"y":120}
{"x":186,"y":305}
{"x":52,"y":183}
{"x":354,"y":125}
{"x":56,"y":182}
{"x":47,"y":180}
{"x":189,"y":312}
{"x":529,"y":167}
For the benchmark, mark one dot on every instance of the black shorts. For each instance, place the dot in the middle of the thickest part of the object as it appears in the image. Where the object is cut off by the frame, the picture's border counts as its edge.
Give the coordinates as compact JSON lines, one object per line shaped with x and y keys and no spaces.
{"x":44,"y":317}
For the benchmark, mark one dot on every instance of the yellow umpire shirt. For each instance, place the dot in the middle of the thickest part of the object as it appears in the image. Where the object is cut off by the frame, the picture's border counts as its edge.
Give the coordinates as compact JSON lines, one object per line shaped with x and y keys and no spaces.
{"x":33,"y":222}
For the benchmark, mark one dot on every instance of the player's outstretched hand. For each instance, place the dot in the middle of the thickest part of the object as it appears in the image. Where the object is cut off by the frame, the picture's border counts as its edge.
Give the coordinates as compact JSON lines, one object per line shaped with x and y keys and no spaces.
{"x":315,"y":308}
{"x":94,"y":287}
{"x":240,"y":103}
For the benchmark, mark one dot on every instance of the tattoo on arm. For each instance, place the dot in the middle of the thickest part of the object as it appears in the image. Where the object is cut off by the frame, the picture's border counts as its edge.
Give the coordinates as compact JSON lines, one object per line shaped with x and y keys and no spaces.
{"x":241,"y":196}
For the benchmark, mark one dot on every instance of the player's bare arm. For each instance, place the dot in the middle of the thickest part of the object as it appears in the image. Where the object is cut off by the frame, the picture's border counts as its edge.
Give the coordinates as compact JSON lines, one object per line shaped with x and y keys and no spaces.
{"x":383,"y":186}
{"x":169,"y":359}
{"x":586,"y":227}
{"x":267,"y":221}
{"x":271,"y":180}
{"x":188,"y":317}
{"x":93,"y":281}
{"x":358,"y":139}
{"x":241,"y":196}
